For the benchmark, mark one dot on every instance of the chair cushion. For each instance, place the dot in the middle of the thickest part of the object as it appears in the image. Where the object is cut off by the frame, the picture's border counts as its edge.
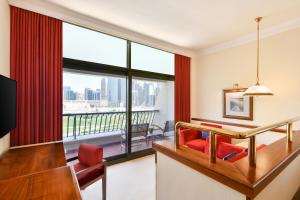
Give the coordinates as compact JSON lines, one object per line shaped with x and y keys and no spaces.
{"x":197,"y":144}
{"x":89,"y":154}
{"x":88,"y":177}
{"x":225,"y":149}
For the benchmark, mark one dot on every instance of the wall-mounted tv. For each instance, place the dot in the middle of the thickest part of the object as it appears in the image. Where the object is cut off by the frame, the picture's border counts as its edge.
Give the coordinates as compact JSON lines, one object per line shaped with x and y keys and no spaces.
{"x":8,"y":89}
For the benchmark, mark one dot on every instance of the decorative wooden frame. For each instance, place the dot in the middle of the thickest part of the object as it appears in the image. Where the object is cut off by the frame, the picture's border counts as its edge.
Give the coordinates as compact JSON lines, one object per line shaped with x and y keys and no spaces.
{"x":226,"y":115}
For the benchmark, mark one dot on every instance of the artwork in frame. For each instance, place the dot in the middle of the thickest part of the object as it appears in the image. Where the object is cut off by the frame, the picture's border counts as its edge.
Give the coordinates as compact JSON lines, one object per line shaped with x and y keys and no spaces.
{"x":237,"y":106}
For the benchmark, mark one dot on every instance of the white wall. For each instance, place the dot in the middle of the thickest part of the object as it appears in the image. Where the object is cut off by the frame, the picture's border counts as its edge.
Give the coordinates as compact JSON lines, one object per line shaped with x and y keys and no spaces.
{"x":176,"y":181}
{"x":4,"y":54}
{"x":285,"y":185}
{"x":279,"y":70}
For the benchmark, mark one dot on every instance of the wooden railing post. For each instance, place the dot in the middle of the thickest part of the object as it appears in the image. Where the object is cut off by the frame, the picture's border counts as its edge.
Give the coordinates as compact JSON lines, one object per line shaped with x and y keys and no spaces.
{"x":289,"y":132}
{"x":252,"y":151}
{"x":212,"y":147}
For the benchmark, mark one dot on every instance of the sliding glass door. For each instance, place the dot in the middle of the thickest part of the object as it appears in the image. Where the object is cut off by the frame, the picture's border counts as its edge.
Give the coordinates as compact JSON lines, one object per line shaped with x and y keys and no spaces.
{"x":152,"y":112}
{"x":94,"y":111}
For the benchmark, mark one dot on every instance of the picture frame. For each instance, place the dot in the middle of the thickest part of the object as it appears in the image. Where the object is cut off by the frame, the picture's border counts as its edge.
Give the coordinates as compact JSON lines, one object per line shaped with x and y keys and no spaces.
{"x":237,"y":106}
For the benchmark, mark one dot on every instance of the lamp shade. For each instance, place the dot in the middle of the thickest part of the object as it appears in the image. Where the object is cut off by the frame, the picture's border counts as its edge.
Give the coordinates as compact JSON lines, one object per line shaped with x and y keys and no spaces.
{"x":258,"y":90}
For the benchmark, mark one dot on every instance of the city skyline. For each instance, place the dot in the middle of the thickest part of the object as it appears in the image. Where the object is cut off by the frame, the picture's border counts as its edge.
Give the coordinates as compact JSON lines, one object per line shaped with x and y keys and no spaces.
{"x":108,"y":91}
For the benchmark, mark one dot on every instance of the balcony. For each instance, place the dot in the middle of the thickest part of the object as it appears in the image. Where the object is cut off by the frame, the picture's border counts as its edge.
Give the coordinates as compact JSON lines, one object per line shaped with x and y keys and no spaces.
{"x":108,"y":129}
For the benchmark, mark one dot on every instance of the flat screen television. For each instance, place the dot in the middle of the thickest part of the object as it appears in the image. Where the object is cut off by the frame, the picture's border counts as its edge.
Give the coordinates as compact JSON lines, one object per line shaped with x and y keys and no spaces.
{"x":8,"y":89}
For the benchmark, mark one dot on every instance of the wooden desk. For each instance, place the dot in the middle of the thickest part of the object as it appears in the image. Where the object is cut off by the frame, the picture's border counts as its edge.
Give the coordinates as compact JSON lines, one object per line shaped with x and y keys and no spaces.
{"x":37,"y":172}
{"x":58,"y":183}
{"x":31,"y":159}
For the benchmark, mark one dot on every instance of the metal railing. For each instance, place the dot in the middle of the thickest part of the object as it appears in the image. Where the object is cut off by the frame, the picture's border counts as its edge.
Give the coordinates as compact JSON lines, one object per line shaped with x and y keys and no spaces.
{"x":251,"y":134}
{"x":78,"y":124}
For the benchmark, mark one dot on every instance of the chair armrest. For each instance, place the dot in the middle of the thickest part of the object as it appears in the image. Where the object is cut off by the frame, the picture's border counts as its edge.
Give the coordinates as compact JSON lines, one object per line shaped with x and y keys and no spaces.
{"x":157,"y":126}
{"x":92,"y":168}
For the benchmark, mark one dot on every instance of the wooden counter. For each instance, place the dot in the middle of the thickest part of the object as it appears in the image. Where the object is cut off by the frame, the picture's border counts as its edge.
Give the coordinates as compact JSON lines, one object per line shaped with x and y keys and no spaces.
{"x":37,"y":172}
{"x":239,"y":175}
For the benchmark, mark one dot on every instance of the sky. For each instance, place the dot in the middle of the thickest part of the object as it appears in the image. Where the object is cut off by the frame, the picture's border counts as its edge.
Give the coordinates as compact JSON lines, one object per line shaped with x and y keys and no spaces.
{"x":78,"y":82}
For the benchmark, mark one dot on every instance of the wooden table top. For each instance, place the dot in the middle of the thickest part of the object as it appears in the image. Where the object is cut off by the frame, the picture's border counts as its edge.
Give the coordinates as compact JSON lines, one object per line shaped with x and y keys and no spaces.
{"x":58,"y":183}
{"x":31,"y":159}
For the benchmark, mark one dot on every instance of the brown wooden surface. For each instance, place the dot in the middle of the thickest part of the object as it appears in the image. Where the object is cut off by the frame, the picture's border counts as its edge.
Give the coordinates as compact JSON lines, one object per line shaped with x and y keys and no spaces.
{"x":239,"y":175}
{"x":31,"y":159}
{"x":234,"y":124}
{"x":58,"y":183}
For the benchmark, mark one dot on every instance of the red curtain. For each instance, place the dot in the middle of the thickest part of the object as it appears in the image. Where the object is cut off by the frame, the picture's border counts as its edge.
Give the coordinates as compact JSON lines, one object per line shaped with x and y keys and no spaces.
{"x":36,"y":65}
{"x":182,"y":88}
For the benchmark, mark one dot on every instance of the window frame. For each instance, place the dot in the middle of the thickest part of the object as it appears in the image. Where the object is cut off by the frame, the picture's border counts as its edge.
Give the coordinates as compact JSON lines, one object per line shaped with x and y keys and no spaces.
{"x":129,"y":73}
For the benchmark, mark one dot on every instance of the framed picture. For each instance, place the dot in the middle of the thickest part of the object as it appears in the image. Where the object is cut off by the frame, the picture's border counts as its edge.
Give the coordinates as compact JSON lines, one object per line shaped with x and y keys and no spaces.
{"x":237,"y":106}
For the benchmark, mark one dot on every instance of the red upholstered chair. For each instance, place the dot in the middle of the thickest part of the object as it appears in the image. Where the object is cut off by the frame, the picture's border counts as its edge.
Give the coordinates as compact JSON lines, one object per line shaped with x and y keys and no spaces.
{"x":193,"y":139}
{"x":91,"y":167}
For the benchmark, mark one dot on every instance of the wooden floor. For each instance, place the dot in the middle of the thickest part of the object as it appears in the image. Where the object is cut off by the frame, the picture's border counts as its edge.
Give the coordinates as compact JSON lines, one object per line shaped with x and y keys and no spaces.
{"x":132,"y":180}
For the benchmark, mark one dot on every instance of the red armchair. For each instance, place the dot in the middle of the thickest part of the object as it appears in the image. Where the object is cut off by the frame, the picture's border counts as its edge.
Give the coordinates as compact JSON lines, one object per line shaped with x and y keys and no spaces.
{"x":91,"y":167}
{"x":193,"y":139}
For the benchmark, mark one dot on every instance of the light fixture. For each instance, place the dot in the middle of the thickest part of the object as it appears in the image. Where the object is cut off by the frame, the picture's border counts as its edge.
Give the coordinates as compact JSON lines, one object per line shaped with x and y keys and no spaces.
{"x":257,"y":89}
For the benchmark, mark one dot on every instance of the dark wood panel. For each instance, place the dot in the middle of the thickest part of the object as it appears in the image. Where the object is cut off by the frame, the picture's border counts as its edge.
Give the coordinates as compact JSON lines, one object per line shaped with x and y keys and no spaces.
{"x":234,"y":124}
{"x":31,"y":159}
{"x":239,"y":175}
{"x":52,"y":184}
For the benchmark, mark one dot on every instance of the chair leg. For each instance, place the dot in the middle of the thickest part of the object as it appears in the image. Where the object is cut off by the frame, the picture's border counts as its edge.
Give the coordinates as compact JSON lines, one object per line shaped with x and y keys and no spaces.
{"x":104,"y":185}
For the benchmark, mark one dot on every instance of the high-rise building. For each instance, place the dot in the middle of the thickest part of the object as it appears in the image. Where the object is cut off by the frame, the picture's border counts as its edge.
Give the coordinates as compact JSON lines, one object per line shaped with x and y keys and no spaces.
{"x":66,"y":90}
{"x":68,"y":93}
{"x":112,"y":91}
{"x":88,"y":94}
{"x":103,"y":88}
{"x":97,"y":94}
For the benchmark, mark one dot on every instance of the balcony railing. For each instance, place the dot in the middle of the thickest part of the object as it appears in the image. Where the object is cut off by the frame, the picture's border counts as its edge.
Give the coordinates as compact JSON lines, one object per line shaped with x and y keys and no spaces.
{"x":79,"y":124}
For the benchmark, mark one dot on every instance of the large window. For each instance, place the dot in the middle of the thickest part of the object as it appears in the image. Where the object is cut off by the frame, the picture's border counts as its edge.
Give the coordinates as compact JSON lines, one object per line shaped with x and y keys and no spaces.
{"x":123,"y":103}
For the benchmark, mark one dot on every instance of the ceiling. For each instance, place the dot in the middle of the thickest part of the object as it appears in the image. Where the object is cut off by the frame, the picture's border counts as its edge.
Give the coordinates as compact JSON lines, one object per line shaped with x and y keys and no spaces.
{"x":193,"y":24}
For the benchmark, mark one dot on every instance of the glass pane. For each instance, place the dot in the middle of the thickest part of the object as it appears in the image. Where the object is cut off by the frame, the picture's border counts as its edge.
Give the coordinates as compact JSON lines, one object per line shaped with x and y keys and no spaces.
{"x":150,"y":59}
{"x":94,"y":111}
{"x":84,"y":44}
{"x":152,"y":112}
